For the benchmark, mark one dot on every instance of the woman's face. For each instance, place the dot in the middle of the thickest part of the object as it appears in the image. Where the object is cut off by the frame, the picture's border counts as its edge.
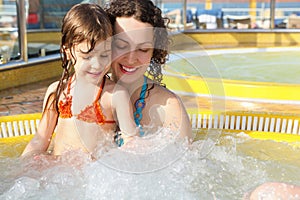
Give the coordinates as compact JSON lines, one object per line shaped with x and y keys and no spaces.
{"x":92,"y":66}
{"x":132,"y":49}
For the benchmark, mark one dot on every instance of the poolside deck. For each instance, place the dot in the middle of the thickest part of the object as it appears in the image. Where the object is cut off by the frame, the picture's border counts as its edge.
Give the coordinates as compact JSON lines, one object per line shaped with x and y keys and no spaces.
{"x":24,"y":99}
{"x":29,"y":99}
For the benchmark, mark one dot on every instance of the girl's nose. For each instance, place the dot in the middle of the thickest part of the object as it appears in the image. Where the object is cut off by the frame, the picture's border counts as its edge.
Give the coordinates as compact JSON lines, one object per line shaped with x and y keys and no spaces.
{"x":96,"y":63}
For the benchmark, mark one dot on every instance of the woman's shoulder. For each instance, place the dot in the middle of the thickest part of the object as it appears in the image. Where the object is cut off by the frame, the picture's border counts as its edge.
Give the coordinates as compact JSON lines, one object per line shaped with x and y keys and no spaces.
{"x":163,"y":91}
{"x":170,"y":102}
{"x":163,"y":96}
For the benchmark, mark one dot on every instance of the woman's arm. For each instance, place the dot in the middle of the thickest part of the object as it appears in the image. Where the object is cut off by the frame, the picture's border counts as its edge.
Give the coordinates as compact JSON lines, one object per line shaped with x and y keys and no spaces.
{"x":42,"y":138}
{"x":176,"y":117}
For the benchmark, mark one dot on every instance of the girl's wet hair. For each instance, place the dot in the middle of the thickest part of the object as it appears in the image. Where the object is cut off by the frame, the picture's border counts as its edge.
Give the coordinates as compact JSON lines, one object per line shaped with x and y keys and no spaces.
{"x":145,"y":11}
{"x":83,"y":22}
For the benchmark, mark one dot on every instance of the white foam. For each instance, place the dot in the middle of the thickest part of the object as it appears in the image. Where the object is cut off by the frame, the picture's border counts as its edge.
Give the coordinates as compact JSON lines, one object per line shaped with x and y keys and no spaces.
{"x":217,"y":167}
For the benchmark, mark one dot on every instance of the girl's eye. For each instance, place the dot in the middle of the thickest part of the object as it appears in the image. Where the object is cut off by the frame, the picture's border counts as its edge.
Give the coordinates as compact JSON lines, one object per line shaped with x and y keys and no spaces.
{"x":104,"y":55}
{"x":87,"y":57}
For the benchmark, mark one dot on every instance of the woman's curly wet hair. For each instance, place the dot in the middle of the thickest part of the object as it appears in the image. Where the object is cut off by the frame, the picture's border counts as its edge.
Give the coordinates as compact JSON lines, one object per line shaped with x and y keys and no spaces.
{"x":145,"y":11}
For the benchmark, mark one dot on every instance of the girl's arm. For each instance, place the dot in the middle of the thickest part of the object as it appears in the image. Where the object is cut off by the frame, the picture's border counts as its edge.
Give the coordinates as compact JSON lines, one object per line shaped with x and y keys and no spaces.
{"x":121,"y":103}
{"x":42,"y":138}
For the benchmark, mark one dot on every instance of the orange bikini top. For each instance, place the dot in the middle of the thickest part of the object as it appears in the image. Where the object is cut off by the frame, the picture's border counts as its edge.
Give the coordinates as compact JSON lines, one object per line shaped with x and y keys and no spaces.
{"x":91,"y":113}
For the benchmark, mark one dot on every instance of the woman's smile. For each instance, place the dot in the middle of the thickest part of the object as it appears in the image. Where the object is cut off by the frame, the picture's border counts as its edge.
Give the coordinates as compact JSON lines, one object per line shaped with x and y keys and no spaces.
{"x":128,"y":69}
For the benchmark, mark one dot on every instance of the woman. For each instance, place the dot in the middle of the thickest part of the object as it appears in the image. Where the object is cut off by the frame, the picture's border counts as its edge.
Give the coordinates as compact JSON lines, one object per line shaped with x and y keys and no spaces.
{"x":140,"y":47}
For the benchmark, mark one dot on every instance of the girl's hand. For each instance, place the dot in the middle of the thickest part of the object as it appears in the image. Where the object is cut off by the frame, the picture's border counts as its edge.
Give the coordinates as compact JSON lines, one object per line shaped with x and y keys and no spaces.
{"x":122,"y":139}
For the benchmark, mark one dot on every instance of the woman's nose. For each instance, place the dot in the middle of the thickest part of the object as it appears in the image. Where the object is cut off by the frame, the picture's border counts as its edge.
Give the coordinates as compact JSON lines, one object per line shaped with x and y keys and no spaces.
{"x":132,"y":57}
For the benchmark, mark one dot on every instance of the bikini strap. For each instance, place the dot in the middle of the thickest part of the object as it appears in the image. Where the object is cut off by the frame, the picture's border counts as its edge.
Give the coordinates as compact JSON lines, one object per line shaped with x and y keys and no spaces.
{"x":100,"y":117}
{"x":100,"y":89}
{"x":139,"y":106}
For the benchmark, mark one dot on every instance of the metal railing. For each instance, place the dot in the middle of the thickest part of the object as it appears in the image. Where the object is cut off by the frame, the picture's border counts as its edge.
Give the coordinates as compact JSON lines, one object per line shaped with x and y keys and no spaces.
{"x":272,"y":15}
{"x":20,"y":9}
{"x":21,"y":15}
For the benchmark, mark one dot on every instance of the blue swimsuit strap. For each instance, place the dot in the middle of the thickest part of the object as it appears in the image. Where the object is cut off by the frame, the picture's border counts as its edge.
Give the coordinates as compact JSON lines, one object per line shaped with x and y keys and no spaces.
{"x":138,"y":115}
{"x":139,"y":105}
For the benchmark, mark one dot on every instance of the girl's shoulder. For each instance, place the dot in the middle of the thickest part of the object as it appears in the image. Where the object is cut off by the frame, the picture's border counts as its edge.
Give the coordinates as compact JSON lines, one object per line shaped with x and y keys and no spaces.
{"x":52,"y":88}
{"x":111,"y":86}
{"x":109,"y":82}
{"x":49,"y":96}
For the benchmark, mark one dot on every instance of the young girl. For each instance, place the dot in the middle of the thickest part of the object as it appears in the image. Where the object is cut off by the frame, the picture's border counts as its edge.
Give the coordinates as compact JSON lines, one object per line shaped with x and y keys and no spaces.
{"x":82,"y":107}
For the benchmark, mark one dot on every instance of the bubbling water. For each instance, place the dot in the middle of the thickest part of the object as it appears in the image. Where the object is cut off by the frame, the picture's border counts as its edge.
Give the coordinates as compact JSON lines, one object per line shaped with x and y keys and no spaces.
{"x":225,"y":168}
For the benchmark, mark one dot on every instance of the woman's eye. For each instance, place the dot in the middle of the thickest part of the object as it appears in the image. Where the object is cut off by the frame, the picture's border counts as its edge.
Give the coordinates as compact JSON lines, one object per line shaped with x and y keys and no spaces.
{"x":121,"y":46}
{"x":144,"y":50}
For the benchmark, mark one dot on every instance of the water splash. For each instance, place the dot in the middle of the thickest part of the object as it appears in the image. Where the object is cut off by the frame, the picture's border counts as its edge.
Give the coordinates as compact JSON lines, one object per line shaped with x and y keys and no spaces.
{"x":208,"y":169}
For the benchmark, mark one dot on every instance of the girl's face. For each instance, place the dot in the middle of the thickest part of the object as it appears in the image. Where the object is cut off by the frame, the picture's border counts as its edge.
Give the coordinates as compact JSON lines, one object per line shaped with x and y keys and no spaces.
{"x":92,"y":66}
{"x":132,"y":47}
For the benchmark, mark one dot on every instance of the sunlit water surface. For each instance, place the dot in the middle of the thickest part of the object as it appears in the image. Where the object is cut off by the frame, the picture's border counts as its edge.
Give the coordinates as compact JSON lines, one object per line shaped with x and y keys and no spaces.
{"x":281,"y":65}
{"x":225,"y":166}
